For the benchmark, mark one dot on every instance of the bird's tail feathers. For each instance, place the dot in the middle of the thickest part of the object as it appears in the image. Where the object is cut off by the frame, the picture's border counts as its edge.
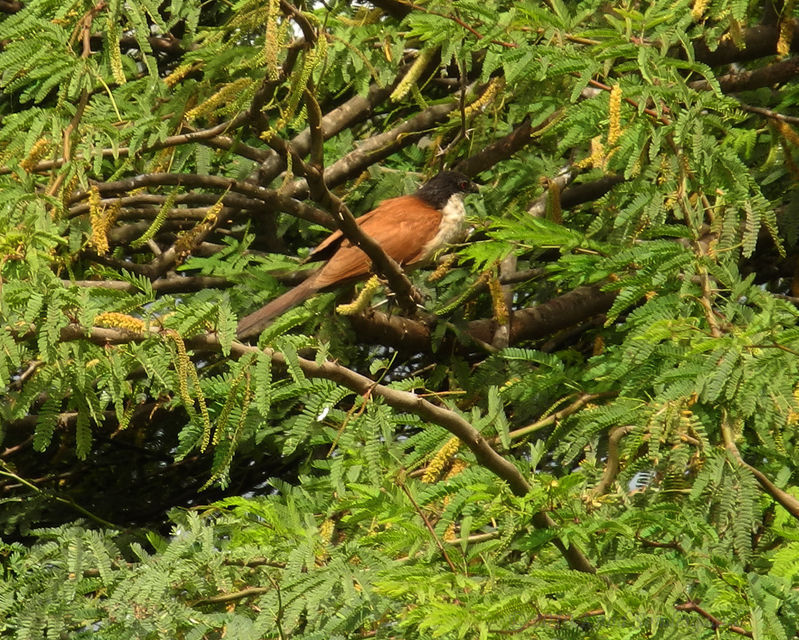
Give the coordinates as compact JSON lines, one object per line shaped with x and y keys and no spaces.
{"x":257,"y":321}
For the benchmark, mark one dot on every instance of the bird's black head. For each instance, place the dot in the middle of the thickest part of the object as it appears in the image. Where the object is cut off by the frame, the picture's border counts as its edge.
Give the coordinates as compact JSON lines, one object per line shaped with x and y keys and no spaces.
{"x":439,"y":189}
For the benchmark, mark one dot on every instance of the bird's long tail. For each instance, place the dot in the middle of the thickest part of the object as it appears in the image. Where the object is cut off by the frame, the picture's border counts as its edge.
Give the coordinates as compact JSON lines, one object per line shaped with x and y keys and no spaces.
{"x":257,"y":321}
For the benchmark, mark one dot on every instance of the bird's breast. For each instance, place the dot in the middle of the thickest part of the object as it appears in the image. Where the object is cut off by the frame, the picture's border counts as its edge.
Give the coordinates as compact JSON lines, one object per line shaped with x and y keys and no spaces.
{"x":449,"y":229}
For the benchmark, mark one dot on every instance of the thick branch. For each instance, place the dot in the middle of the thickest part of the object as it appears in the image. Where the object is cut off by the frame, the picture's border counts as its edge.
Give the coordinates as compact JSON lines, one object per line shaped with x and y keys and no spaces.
{"x":541,"y":320}
{"x":394,"y":8}
{"x":576,"y":194}
{"x":377,"y":147}
{"x":528,"y":324}
{"x":232,"y":200}
{"x":268,"y":196}
{"x":771,"y":74}
{"x":354,"y":110}
{"x":758,"y":42}
{"x":210,"y":136}
{"x":504,"y":147}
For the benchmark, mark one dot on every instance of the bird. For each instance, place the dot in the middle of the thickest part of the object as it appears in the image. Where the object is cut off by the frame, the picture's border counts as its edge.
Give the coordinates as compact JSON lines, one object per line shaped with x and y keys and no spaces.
{"x":409,"y":228}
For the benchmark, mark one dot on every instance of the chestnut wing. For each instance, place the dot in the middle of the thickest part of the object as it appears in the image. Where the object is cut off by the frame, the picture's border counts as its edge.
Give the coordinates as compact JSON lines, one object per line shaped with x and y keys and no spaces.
{"x":402,"y":226}
{"x":328,"y":246}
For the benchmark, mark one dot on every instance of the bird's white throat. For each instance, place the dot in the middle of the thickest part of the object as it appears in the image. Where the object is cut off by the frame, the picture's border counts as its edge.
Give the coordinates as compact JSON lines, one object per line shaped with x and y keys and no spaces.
{"x":452,"y":216}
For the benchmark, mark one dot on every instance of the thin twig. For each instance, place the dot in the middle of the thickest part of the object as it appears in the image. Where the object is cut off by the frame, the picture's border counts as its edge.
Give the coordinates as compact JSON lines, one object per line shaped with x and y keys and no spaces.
{"x":551,"y":419}
{"x":428,"y":525}
{"x":5,"y":470}
{"x":717,"y":624}
{"x":383,"y":263}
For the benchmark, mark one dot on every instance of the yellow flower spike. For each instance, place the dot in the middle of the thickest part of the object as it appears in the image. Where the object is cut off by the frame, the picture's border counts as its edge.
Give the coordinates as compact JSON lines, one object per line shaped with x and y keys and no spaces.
{"x":116,"y":320}
{"x":614,"y":115}
{"x":362,"y":301}
{"x":440,"y":460}
{"x":699,"y":8}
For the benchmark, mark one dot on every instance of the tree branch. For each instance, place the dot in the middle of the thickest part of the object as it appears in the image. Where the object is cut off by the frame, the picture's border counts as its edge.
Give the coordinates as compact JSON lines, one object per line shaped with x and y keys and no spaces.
{"x":404,"y":401}
{"x":203,"y":136}
{"x":528,"y":324}
{"x":756,"y":42}
{"x":377,"y":147}
{"x":129,"y":203}
{"x":785,"y":499}
{"x":353,"y":111}
{"x":268,"y":196}
{"x":612,"y":463}
{"x":745,"y":80}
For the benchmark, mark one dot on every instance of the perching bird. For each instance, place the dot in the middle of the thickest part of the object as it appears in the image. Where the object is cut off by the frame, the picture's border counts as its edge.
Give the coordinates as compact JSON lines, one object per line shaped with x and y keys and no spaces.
{"x":410,"y":229}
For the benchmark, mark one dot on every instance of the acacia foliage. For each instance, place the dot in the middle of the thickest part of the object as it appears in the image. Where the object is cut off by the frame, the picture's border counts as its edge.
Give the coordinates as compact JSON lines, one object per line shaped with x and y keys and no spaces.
{"x":588,"y":432}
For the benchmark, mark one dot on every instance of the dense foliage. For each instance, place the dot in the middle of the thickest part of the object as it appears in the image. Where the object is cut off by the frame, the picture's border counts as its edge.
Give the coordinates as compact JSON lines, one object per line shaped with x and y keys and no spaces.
{"x":587,"y":430}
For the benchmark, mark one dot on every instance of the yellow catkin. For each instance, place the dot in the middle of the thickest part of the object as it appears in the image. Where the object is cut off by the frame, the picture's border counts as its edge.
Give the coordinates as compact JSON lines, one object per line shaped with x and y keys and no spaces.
{"x":597,"y":158}
{"x":498,"y":300}
{"x":463,"y":299}
{"x":38,"y":150}
{"x":272,"y":41}
{"x":230,"y":90}
{"x":449,"y":534}
{"x":793,"y":416}
{"x":457,"y":466}
{"x":440,"y":460}
{"x":413,"y":75}
{"x":185,"y":370}
{"x":115,"y":54}
{"x":179,"y":73}
{"x":212,"y":216}
{"x":736,"y":33}
{"x":699,"y":8}
{"x":299,"y":82}
{"x":181,"y":367}
{"x":98,"y":239}
{"x":112,"y":212}
{"x":371,"y":287}
{"x":69,"y":187}
{"x":786,"y":31}
{"x":443,"y":268}
{"x":597,"y":153}
{"x":614,"y":115}
{"x":120,"y":321}
{"x":326,"y":530}
{"x":486,"y":98}
{"x":203,"y":408}
{"x":189,"y":240}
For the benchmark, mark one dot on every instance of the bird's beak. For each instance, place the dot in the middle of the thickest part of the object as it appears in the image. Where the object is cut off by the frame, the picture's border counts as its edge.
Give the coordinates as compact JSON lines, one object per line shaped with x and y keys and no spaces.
{"x":472,"y":188}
